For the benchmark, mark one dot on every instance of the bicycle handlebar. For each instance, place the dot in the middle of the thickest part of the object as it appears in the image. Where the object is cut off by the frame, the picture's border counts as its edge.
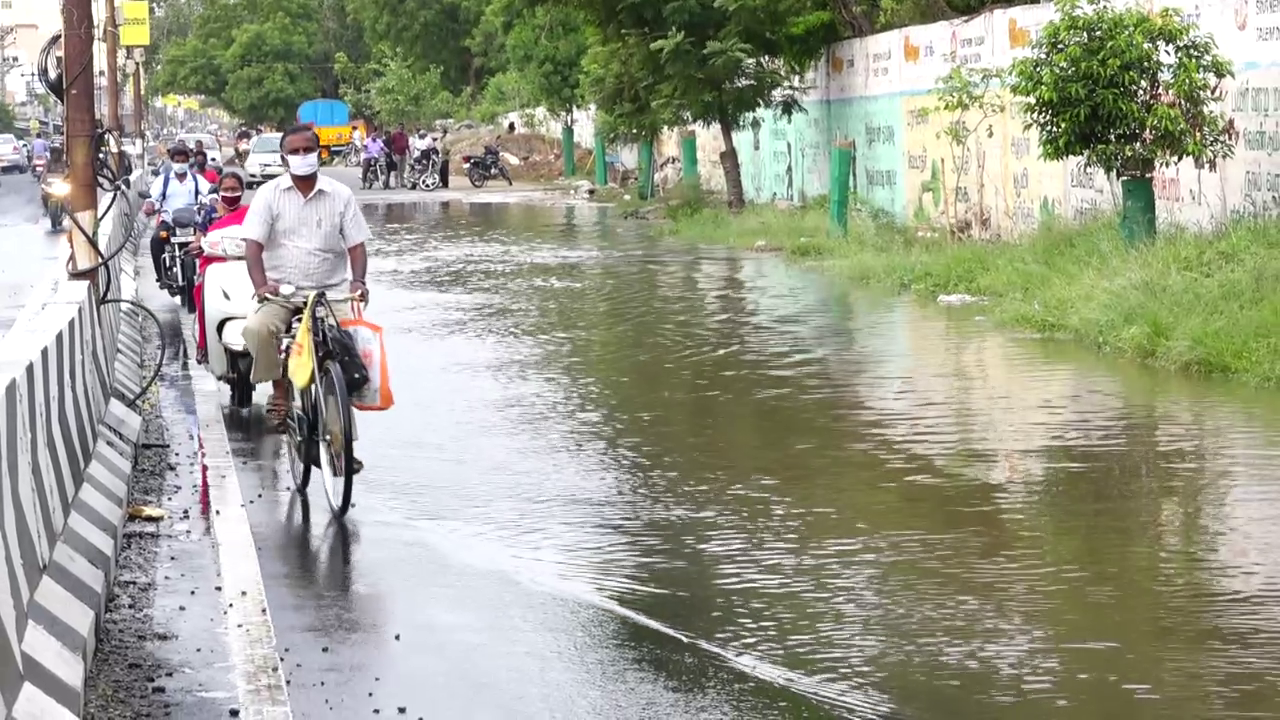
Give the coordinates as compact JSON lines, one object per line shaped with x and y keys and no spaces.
{"x":301,"y":297}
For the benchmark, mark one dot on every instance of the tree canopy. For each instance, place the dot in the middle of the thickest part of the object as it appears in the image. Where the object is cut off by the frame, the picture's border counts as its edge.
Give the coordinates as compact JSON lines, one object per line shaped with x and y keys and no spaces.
{"x":645,"y":66}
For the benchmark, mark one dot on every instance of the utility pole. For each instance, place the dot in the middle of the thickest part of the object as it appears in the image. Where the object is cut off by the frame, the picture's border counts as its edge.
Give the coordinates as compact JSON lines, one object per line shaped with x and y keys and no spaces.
{"x":113,"y":79}
{"x":137,"y":100}
{"x":77,"y":68}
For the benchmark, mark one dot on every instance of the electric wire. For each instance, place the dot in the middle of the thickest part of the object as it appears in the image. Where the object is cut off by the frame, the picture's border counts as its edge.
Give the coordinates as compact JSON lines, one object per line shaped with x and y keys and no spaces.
{"x":111,"y":170}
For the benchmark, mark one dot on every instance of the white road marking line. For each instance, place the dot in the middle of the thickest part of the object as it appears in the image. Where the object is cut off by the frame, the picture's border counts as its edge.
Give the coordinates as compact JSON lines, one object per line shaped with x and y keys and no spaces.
{"x":259,"y":677}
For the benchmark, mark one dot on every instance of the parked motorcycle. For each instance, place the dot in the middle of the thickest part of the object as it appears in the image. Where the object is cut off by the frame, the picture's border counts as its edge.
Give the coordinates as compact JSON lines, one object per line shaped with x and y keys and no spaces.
{"x":228,"y":300}
{"x":53,"y":195}
{"x":483,"y":168}
{"x":352,"y":156}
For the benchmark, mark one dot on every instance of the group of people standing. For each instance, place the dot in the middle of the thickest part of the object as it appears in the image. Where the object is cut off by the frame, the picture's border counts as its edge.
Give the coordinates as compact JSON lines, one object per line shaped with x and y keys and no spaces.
{"x":397,"y":146}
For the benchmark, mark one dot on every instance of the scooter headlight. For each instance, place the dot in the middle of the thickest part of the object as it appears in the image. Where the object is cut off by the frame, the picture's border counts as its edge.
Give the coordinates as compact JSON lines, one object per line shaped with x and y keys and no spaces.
{"x":60,"y":188}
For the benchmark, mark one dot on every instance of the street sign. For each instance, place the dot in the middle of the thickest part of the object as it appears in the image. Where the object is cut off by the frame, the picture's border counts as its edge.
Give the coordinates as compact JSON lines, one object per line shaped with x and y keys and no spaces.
{"x":135,"y":30}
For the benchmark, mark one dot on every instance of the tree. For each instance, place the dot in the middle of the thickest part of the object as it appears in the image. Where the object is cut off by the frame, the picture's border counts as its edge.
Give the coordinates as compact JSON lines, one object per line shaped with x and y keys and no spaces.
{"x":546,"y":45}
{"x":400,"y":92}
{"x":971,"y":98}
{"x":256,"y":59}
{"x":622,"y":77}
{"x":1126,"y":90}
{"x":446,"y":34}
{"x":719,"y":61}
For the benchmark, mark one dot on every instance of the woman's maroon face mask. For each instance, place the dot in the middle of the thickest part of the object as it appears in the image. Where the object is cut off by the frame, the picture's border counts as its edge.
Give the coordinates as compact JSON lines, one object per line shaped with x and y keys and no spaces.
{"x":230,"y":198}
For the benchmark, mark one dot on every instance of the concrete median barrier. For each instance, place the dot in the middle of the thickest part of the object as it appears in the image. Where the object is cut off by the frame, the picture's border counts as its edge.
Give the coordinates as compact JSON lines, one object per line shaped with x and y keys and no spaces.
{"x":68,"y":368}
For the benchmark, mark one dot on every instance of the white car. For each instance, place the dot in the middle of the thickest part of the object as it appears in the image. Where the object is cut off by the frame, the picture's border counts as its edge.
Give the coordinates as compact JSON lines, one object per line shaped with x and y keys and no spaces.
{"x":264,"y":161}
{"x":208,"y":142}
{"x":12,"y":157}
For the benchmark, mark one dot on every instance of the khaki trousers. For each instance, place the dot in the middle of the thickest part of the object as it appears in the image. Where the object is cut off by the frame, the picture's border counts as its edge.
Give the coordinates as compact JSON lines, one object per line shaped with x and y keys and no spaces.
{"x":262,"y":333}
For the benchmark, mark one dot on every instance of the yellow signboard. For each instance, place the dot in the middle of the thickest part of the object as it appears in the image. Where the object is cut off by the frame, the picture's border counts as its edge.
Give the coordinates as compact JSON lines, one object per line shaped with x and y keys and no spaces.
{"x":135,"y":31}
{"x":190,"y":104}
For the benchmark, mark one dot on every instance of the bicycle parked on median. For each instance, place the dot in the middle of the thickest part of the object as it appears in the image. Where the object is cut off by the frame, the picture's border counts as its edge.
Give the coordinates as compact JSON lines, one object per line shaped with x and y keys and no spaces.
{"x":318,"y":426}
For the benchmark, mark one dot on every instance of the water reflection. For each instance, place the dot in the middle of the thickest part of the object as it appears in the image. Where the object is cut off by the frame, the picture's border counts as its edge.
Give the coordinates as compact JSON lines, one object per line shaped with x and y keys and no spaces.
{"x":866,"y":500}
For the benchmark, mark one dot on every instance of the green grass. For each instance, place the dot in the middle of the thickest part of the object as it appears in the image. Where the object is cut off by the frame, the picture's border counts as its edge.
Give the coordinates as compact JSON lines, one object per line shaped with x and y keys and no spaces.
{"x":1206,"y":304}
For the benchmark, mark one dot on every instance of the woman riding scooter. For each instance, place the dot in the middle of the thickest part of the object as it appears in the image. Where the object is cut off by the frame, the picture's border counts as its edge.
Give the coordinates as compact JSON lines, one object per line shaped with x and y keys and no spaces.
{"x":229,"y":211}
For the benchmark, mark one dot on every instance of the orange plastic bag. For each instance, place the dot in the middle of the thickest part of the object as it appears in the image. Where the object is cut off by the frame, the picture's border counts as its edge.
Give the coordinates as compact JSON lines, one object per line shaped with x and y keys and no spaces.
{"x":368,"y":339}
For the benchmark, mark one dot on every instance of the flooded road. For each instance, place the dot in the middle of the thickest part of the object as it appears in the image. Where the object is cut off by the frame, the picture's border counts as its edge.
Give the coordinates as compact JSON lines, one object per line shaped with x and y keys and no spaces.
{"x":631,"y":478}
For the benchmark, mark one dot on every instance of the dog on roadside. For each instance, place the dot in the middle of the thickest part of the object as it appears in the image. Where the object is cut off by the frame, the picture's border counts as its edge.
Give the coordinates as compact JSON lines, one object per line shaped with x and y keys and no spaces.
{"x":668,"y":175}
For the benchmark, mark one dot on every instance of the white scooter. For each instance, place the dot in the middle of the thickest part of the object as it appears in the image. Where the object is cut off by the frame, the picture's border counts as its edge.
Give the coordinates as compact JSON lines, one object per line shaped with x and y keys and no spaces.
{"x":228,"y":302}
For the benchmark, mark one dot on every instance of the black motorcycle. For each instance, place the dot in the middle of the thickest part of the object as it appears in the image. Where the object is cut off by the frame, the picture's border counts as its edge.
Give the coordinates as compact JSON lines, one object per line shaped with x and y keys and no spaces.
{"x":379,"y":173}
{"x":483,"y":168}
{"x":53,"y":195}
{"x":178,"y":265}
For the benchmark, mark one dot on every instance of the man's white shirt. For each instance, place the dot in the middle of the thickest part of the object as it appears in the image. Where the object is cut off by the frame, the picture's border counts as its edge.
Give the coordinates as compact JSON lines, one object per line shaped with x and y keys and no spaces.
{"x":181,"y":194}
{"x":305,"y":240}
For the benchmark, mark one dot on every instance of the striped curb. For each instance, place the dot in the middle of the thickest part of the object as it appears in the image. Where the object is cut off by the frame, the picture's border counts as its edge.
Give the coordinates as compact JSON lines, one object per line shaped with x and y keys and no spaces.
{"x":67,"y":443}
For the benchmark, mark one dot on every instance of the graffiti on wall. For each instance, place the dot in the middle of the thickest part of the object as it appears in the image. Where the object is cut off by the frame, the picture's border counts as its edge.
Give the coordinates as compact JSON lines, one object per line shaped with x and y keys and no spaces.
{"x":1252,"y":178}
{"x":875,"y":92}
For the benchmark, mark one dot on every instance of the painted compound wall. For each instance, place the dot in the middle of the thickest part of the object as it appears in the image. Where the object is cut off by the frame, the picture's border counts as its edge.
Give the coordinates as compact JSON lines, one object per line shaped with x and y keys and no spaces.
{"x":878,"y":92}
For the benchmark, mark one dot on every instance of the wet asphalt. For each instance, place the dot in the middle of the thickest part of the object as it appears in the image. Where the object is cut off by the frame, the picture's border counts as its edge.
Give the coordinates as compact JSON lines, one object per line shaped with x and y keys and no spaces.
{"x":392,"y":612}
{"x":27,"y":244}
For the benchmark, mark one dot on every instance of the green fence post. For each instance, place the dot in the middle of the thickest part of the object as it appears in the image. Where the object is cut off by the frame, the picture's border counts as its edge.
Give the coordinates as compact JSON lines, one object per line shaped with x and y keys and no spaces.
{"x":689,"y":158}
{"x":602,"y":165}
{"x":645,"y":179}
{"x":1138,"y":215}
{"x":570,"y":162}
{"x":838,"y":191}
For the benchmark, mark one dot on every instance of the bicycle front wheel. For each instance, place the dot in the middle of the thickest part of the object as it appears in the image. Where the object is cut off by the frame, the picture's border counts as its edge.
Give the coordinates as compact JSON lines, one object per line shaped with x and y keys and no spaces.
{"x":335,"y":443}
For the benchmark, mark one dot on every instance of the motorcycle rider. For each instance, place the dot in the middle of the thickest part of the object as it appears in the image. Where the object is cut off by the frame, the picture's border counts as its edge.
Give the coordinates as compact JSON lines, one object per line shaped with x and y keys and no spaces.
{"x":175,"y":189}
{"x":423,"y":144}
{"x":40,"y":149}
{"x":373,"y":149}
{"x":357,"y":139}
{"x":200,"y":159}
{"x":243,"y":136}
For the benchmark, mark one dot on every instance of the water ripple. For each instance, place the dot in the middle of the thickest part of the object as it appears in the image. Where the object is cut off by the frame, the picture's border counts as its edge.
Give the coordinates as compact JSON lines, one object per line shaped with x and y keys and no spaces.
{"x":880,"y":504}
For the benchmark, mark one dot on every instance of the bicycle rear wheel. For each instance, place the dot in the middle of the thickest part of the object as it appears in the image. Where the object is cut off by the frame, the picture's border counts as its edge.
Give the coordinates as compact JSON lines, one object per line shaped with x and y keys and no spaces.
{"x":334,"y":434}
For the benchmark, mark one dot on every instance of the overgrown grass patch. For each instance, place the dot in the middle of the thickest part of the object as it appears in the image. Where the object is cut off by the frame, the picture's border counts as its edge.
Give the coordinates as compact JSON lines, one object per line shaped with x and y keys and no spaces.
{"x":1201,"y":303}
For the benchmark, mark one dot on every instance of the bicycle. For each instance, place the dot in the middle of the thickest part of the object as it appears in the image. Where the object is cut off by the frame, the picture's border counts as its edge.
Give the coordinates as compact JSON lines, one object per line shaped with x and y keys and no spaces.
{"x":324,"y":405}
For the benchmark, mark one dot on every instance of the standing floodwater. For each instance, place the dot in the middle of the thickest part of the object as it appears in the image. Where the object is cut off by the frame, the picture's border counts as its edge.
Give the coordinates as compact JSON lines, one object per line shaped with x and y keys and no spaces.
{"x":841,"y":500}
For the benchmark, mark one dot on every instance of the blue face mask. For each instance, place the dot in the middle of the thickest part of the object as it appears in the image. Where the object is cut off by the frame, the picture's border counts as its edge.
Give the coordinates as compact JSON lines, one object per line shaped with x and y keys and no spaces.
{"x":180,"y":168}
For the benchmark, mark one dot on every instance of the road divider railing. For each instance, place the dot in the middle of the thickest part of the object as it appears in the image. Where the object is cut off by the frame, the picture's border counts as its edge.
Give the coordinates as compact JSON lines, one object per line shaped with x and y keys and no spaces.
{"x":69,"y":369}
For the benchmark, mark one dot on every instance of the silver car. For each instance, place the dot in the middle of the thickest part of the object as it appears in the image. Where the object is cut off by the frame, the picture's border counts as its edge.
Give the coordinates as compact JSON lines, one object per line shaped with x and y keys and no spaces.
{"x":12,"y":157}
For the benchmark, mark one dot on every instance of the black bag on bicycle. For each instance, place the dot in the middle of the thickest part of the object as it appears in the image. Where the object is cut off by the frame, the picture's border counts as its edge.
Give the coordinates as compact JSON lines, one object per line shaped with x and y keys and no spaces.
{"x":354,"y":372}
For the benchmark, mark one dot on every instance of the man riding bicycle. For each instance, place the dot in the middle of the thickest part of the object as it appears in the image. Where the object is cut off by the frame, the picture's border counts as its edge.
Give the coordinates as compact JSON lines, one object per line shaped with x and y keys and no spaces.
{"x":302,"y":229}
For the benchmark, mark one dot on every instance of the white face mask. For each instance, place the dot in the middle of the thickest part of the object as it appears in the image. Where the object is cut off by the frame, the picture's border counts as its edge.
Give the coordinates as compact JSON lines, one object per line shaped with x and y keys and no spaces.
{"x":179,"y":168}
{"x":303,"y":165}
